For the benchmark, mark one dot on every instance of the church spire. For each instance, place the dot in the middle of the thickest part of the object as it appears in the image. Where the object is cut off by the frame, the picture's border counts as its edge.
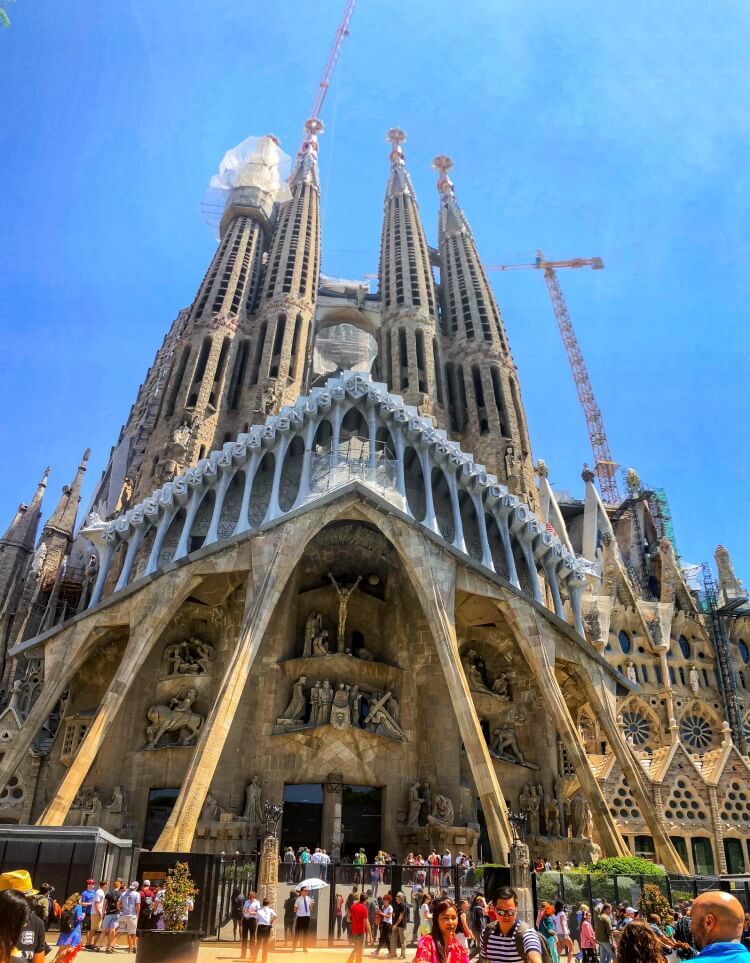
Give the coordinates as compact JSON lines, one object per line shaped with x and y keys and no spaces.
{"x":409,"y":349}
{"x":484,"y":396}
{"x":17,"y":545}
{"x":63,"y":518}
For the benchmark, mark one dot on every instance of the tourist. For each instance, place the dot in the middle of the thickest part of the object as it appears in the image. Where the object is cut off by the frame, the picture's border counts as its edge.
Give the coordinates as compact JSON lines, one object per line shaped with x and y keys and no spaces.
{"x":339,"y":911}
{"x":425,"y":915}
{"x":29,"y":943}
{"x":289,"y":916}
{"x":564,"y":942}
{"x":546,"y":926}
{"x":71,"y":922}
{"x":638,"y":944}
{"x":384,"y":922}
{"x":42,"y":904}
{"x":587,"y":938}
{"x":111,"y":915}
{"x":359,"y":861}
{"x":463,"y":930}
{"x":603,"y":933}
{"x":351,"y":899}
{"x":359,"y":927}
{"x":446,"y":861}
{"x":96,"y":917}
{"x":289,"y":862}
{"x":249,"y":923}
{"x":265,"y":917}
{"x":398,"y":927}
{"x":129,"y":906}
{"x":477,"y":919}
{"x":147,"y":917}
{"x":302,"y":909}
{"x":17,"y":932}
{"x":87,"y":901}
{"x":434,"y":861}
{"x":305,"y":863}
{"x":499,"y":943}
{"x":238,"y":901}
{"x":440,"y":944}
{"x":718,"y":921}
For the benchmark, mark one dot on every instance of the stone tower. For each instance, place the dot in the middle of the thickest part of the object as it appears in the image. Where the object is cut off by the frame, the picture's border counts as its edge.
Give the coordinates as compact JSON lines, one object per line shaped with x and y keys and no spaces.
{"x":484,"y":396}
{"x":17,"y":545}
{"x":269,"y":366}
{"x":409,"y":357}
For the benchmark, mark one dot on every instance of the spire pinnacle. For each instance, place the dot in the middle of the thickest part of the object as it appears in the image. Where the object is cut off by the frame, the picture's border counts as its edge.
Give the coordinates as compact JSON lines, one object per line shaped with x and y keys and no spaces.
{"x":443,"y":164}
{"x":306,"y":167}
{"x":399,"y":181}
{"x":63,"y":518}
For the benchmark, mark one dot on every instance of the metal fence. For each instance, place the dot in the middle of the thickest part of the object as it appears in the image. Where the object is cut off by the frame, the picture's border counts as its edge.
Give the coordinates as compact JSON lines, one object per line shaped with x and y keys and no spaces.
{"x":575,"y":888}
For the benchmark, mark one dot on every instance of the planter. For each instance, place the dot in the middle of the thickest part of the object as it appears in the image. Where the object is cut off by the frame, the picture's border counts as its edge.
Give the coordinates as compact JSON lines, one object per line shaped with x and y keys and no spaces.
{"x":168,"y":946}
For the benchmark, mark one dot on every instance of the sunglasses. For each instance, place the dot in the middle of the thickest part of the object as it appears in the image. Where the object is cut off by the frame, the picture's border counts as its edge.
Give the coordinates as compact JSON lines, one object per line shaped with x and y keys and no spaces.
{"x":506,"y":912}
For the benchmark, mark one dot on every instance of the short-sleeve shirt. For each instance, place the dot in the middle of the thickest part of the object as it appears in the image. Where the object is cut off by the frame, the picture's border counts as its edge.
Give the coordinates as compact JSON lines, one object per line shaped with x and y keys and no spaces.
{"x":603,"y":928}
{"x":499,"y":947}
{"x":31,"y":939}
{"x":359,"y":917}
{"x":98,"y":906}
{"x":129,"y":902}
{"x":302,"y":906}
{"x":87,"y":896}
{"x":110,"y":901}
{"x":387,"y":912}
{"x":250,"y":909}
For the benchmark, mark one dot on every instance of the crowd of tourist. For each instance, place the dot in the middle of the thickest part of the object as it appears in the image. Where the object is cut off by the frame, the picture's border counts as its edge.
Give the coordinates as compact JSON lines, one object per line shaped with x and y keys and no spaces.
{"x":431,"y":870}
{"x":91,"y":919}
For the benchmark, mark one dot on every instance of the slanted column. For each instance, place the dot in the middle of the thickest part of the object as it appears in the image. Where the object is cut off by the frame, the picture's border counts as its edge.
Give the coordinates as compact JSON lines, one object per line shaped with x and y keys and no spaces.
{"x":372,"y":431}
{"x":133,"y":546}
{"x":482,"y":525}
{"x":161,"y":533}
{"x":307,"y":463}
{"x":274,"y":509}
{"x":501,"y":519}
{"x":458,"y":540}
{"x":525,"y":537}
{"x":576,"y":583}
{"x":221,"y":491}
{"x":243,"y":523}
{"x":104,"y":566}
{"x":400,"y":480}
{"x":429,"y":513}
{"x":196,"y":498}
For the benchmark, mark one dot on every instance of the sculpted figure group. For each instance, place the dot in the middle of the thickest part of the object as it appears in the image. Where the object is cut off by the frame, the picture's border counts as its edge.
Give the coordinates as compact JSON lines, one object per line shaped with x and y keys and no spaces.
{"x":423,"y":811}
{"x":342,"y":707}
{"x":544,"y":809}
{"x":474,"y":668}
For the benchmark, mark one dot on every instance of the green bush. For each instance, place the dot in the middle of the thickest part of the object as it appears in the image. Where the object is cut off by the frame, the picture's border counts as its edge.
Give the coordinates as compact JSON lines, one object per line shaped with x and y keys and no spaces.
{"x":179,"y":894}
{"x":627,"y":866}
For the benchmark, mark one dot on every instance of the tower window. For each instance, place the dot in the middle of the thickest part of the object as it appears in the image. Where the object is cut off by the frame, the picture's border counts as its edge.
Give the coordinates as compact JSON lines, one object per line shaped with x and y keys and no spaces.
{"x":258,"y":354}
{"x":421,"y":368}
{"x":625,"y":644}
{"x":476,"y":378}
{"x":497,"y":392}
{"x":684,"y":646}
{"x":179,"y":375}
{"x":438,"y":372}
{"x":240,"y":363}
{"x":403,"y":359}
{"x":295,"y":345}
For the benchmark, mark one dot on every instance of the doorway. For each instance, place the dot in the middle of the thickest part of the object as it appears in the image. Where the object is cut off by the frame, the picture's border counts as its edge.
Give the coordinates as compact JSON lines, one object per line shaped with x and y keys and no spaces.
{"x":361,"y":817}
{"x":160,"y":805}
{"x":303,"y":816}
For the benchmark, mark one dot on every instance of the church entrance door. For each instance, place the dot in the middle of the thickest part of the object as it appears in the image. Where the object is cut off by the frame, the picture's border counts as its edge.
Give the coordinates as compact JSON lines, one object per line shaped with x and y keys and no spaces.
{"x":361,"y":815}
{"x":303,"y":816}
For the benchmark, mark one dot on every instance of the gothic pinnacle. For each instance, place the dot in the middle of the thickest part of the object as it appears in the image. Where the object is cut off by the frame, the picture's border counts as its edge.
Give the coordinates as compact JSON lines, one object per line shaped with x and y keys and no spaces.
{"x":306,"y":166}
{"x":443,"y":164}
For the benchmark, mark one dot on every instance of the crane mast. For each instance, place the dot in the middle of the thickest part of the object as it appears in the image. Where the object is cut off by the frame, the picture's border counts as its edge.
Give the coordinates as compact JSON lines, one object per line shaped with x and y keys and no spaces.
{"x":604,"y":465}
{"x":342,"y":32}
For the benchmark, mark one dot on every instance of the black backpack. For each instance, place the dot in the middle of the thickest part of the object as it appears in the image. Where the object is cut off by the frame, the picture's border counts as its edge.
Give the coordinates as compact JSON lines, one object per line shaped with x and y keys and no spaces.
{"x":683,"y":931}
{"x":67,"y":921}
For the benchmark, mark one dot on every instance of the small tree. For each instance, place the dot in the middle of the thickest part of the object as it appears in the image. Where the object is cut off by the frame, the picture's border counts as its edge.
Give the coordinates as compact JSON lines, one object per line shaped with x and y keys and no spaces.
{"x":652,"y":900}
{"x":179,"y":894}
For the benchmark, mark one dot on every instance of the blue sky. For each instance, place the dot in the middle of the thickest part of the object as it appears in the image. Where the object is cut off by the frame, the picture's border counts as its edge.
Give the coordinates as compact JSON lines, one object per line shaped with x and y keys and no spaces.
{"x":618,"y":130}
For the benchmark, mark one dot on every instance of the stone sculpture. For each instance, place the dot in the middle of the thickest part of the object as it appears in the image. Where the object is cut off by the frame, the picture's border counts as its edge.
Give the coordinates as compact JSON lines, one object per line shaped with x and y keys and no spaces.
{"x":326,"y":703}
{"x":211,"y":810}
{"x":315,"y":705}
{"x":501,"y":687}
{"x":442,"y":812}
{"x":630,"y":671}
{"x":533,"y":809}
{"x":551,"y":815}
{"x":474,"y":673}
{"x":380,"y":721}
{"x":344,"y":596}
{"x":295,"y":711}
{"x":695,"y":679}
{"x":578,"y":812}
{"x":91,"y":810}
{"x":426,"y":803}
{"x":341,"y":710}
{"x":319,"y":644}
{"x":176,"y":717}
{"x":253,"y":810}
{"x":415,"y":805}
{"x":313,"y":627}
{"x":192,"y":657}
{"x":355,"y":705}
{"x":504,"y":744}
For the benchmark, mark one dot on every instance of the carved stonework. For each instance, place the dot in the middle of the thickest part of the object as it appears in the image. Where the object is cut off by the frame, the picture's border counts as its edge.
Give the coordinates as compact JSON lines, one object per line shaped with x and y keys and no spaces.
{"x":342,"y":708}
{"x":174,"y":724}
{"x":191,"y":657}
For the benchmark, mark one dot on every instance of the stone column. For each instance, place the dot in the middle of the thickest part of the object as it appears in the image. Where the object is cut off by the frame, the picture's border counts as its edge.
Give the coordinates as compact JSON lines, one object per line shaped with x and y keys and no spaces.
{"x":520,"y":879}
{"x":718,"y":839}
{"x":268,"y":878}
{"x":177,"y":835}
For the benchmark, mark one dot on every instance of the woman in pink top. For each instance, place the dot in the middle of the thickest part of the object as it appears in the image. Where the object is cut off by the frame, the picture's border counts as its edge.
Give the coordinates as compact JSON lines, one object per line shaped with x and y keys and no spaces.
{"x":441,"y":945}
{"x":587,"y":939}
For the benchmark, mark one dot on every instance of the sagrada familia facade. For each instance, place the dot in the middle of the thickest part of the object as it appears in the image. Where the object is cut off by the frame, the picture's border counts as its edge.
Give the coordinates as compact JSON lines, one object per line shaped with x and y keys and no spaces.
{"x":349,"y":589}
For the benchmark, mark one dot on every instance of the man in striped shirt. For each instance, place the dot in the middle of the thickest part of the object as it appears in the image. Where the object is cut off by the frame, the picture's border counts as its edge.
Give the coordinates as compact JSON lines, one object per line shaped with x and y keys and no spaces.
{"x":501,"y":941}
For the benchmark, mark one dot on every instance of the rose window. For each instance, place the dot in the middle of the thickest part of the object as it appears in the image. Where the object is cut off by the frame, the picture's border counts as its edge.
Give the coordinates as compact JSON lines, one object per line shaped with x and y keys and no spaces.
{"x":635,"y":727}
{"x":696,"y":732}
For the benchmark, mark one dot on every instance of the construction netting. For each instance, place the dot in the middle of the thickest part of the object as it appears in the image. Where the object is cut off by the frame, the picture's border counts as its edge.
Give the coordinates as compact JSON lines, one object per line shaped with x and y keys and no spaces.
{"x":256,"y":162}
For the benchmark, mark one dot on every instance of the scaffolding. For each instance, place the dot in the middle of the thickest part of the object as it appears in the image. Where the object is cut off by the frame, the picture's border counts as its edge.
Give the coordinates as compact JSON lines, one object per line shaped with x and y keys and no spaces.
{"x":662,"y":516}
{"x":720,"y":640}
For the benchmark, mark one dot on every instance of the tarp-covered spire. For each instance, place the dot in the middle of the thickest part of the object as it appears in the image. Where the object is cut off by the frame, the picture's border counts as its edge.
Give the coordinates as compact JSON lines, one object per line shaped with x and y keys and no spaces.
{"x":399,"y":181}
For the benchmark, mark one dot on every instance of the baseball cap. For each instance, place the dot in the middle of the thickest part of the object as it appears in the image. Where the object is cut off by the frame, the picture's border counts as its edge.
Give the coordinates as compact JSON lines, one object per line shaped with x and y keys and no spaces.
{"x":134,"y":884}
{"x":147,"y":882}
{"x":630,"y":910}
{"x":19,"y":880}
{"x":90,"y":882}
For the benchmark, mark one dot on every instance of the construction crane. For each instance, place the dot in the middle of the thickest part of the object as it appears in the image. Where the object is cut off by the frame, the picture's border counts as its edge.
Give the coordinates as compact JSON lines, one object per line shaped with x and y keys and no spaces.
{"x":604,"y":465}
{"x":342,"y":33}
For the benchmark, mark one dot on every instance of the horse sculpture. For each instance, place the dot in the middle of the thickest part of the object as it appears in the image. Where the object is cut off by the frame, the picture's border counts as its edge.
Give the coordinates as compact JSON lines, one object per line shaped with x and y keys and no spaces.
{"x":163,"y":719}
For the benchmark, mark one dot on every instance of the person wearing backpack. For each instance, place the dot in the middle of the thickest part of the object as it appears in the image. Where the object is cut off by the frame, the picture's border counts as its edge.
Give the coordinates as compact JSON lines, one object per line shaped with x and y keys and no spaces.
{"x":110,"y":922}
{"x":71,"y":921}
{"x":546,"y":926}
{"x":510,"y":940}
